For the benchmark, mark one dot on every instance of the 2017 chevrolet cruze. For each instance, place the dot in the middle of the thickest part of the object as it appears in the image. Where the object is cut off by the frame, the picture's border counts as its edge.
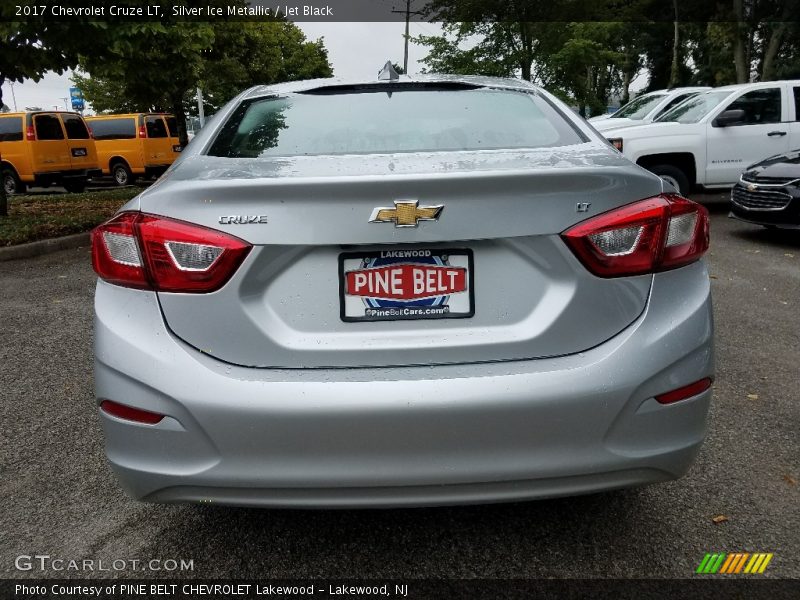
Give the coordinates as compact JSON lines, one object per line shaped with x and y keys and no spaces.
{"x":413,"y":291}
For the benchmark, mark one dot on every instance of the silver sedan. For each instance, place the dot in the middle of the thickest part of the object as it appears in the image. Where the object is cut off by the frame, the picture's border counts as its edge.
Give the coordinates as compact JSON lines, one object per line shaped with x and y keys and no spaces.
{"x":409,"y":291}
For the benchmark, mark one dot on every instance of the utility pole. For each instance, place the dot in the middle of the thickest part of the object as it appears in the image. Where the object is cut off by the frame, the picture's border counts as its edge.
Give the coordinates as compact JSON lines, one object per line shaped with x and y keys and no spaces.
{"x":13,"y":95}
{"x":408,"y":12}
{"x":201,"y":113}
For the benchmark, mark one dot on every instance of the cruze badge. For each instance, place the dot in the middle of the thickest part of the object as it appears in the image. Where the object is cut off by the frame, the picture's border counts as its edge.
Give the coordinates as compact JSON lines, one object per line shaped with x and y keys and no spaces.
{"x":406,"y":213}
{"x":242,"y":219}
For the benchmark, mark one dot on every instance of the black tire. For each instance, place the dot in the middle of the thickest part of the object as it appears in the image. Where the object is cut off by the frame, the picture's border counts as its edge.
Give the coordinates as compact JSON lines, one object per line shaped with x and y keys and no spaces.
{"x":74,"y":186}
{"x":11,"y":182}
{"x":121,"y":174}
{"x":673,"y":175}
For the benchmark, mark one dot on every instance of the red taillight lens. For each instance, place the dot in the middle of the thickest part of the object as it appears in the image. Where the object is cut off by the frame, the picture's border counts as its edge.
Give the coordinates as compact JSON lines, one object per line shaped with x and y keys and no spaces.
{"x":651,"y":235}
{"x":116,"y":256}
{"x":147,"y":251}
{"x":30,"y":134}
{"x":129,"y":413}
{"x":142,"y":131}
{"x":685,"y":392}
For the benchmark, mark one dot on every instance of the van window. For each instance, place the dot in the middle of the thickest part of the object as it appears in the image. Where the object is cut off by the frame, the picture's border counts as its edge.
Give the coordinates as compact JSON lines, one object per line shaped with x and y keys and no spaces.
{"x":797,"y":104}
{"x":172,"y":125}
{"x":76,"y":128}
{"x":155,"y":127}
{"x":48,"y":127}
{"x":10,"y":129}
{"x":114,"y":129}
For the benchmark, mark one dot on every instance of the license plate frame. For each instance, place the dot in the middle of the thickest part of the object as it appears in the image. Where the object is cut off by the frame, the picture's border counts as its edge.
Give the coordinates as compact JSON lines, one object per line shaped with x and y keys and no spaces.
{"x":413,"y":310}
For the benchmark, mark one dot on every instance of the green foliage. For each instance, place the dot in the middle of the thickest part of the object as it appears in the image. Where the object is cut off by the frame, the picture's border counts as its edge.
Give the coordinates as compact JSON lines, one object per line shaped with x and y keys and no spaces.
{"x":587,"y":51}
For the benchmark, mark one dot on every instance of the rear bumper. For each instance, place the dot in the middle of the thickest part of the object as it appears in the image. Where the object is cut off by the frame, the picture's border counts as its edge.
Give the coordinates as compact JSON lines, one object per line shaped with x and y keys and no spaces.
{"x":405,"y":436}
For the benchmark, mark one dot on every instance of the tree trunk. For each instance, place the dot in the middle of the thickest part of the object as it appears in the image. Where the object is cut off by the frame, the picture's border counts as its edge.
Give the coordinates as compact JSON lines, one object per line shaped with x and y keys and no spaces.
{"x":772,"y":47}
{"x":674,"y":75}
{"x":739,"y":49}
{"x":180,"y":118}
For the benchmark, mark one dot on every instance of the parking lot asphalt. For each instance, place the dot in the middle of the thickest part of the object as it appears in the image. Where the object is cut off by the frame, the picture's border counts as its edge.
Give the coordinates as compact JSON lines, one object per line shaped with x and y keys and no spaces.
{"x":60,"y":498}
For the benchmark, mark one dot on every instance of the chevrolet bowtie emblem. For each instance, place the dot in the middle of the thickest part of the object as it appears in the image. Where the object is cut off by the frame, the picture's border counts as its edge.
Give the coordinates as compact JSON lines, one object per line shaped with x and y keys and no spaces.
{"x":406,"y":213}
{"x":751,"y":187}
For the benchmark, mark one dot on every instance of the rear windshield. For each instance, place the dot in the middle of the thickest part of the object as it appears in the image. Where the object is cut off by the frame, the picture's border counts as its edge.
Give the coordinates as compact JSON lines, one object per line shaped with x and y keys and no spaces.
{"x":76,"y":128}
{"x":155,"y":127}
{"x":48,"y":127}
{"x":377,"y":122}
{"x":114,"y":129}
{"x":172,"y":125}
{"x":10,"y":129}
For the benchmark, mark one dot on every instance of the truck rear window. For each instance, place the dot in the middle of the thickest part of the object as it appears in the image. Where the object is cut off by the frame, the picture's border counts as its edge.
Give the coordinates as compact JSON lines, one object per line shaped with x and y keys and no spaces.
{"x":10,"y":129}
{"x":114,"y":129}
{"x":376,"y":122}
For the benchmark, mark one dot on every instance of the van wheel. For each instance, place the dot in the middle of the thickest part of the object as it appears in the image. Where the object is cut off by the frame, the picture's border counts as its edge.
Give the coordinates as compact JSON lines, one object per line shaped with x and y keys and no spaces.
{"x":122,"y":174}
{"x":674,"y":176}
{"x":76,"y":186}
{"x":11,"y":182}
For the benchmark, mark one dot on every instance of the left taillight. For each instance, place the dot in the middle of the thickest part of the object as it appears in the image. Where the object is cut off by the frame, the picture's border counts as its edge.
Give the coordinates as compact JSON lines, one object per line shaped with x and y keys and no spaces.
{"x":151,"y":252}
{"x":655,"y":234}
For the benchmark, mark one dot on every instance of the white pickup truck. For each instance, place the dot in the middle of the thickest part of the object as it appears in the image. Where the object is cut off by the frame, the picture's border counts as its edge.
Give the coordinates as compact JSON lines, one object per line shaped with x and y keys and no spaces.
{"x":709,"y":139}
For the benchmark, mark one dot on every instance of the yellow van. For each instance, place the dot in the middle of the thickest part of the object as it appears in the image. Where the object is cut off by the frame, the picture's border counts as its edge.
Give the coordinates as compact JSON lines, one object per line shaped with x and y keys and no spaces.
{"x":134,"y":145}
{"x":46,"y":148}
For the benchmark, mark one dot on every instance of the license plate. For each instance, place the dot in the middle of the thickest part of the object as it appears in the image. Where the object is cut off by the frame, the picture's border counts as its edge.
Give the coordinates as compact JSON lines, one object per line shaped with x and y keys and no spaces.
{"x":177,"y":148}
{"x":395,"y":285}
{"x":76,"y":152}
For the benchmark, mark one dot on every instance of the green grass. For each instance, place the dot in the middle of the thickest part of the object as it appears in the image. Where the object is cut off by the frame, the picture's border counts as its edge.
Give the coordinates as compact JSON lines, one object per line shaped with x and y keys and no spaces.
{"x":41,"y":216}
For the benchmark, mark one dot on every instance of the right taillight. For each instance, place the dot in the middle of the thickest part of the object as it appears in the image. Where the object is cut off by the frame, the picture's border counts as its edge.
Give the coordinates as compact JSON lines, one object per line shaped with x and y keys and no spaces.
{"x":142,"y":131}
{"x":655,"y":234}
{"x":152,"y":252}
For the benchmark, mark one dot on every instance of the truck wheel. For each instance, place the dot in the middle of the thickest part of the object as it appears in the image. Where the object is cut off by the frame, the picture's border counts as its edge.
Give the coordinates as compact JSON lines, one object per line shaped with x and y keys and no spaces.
{"x":122,"y":174}
{"x":11,"y":182}
{"x":674,"y":176}
{"x":75,"y":186}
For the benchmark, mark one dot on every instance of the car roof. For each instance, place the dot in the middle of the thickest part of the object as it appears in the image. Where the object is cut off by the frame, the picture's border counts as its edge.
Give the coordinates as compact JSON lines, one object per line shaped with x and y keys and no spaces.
{"x":334,"y":82}
{"x":757,"y":84}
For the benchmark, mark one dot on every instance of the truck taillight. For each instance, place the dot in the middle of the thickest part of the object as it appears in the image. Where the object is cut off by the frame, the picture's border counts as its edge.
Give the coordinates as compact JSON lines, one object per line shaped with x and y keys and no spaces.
{"x":655,"y":234}
{"x":151,"y":252}
{"x":30,"y":134}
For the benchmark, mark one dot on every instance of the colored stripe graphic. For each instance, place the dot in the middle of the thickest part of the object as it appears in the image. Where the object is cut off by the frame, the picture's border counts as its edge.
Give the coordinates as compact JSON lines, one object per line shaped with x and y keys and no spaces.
{"x":734,"y":563}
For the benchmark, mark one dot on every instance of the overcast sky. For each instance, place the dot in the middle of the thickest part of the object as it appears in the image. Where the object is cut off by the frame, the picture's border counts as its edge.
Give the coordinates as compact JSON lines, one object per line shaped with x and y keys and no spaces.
{"x":355,"y":50}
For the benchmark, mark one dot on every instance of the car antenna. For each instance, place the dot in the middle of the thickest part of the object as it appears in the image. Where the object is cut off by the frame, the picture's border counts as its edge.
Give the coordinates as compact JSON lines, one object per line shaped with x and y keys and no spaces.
{"x":387,"y":73}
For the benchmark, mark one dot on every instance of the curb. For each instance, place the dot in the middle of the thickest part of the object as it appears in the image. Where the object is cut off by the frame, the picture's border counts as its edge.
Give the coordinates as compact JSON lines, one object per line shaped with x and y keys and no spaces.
{"x":44,"y":247}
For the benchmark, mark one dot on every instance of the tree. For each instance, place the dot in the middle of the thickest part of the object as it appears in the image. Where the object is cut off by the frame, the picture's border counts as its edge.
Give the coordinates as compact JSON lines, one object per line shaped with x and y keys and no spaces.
{"x":223,"y":58}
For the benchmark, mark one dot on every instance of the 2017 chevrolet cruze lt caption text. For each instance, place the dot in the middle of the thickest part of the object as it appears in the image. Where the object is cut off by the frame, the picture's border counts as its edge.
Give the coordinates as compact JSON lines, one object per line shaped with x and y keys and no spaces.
{"x":413,"y":291}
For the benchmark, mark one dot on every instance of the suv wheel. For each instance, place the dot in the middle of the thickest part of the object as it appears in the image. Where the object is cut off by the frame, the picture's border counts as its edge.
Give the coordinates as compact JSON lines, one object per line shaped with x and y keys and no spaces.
{"x":674,"y":176}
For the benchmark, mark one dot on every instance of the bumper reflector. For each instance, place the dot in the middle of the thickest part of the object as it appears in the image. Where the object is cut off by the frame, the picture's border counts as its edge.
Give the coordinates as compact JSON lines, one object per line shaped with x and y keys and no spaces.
{"x":685,"y":392}
{"x":129,"y":413}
